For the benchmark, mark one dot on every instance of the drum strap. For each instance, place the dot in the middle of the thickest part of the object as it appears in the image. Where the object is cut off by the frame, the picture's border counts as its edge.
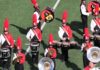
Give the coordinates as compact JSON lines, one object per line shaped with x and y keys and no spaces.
{"x":6,"y":39}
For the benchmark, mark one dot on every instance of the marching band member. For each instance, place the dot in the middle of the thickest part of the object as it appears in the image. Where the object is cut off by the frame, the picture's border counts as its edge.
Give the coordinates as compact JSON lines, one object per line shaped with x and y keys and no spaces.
{"x":36,"y":12}
{"x":7,"y":43}
{"x":95,"y":29}
{"x":6,"y":38}
{"x":86,"y":45}
{"x":50,"y":51}
{"x":84,"y":13}
{"x":34,"y":36}
{"x":65,"y":34}
{"x":19,"y":57}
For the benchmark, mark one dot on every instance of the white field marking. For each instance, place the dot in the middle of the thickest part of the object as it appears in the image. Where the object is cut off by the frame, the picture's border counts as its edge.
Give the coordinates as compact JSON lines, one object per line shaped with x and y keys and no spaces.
{"x":54,"y":7}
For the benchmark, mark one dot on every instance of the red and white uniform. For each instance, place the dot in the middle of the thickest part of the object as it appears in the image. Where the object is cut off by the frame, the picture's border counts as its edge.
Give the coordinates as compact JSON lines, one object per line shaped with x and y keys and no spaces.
{"x":7,"y":37}
{"x":31,"y":33}
{"x":65,"y":29}
{"x":94,"y":23}
{"x":34,"y":32}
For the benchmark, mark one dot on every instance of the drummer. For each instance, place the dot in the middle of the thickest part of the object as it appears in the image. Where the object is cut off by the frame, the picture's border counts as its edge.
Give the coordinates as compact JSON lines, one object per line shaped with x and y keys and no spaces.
{"x":6,"y":41}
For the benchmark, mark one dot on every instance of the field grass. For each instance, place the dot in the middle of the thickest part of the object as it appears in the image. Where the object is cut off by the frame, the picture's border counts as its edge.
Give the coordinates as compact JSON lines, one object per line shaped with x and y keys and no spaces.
{"x":20,"y":13}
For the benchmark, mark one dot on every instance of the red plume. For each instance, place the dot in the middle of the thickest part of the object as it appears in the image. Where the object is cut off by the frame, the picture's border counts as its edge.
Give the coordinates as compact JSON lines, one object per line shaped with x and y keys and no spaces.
{"x":19,"y":43}
{"x":34,"y":2}
{"x":64,"y":17}
{"x":34,"y":19}
{"x":86,"y":33}
{"x":51,"y":39}
{"x":6,"y":24}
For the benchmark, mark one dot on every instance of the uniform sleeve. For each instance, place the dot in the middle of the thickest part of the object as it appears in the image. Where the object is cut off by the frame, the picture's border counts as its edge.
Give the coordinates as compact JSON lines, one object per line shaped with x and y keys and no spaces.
{"x":92,"y":25}
{"x":83,"y":10}
{"x":22,"y":60}
{"x":11,"y":41}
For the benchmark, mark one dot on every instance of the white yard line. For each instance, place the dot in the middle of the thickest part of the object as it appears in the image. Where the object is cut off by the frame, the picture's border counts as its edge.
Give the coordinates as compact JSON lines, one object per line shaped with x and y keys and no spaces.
{"x":54,"y":7}
{"x":56,"y":4}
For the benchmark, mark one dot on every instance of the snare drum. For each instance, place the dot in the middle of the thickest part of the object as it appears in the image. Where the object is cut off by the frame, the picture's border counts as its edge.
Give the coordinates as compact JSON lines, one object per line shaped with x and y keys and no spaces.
{"x":4,"y":53}
{"x":34,"y":47}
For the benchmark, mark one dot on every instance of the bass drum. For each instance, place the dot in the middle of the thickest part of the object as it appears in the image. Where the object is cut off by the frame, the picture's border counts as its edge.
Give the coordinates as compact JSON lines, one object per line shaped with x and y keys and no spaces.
{"x":46,"y":64}
{"x":47,"y":15}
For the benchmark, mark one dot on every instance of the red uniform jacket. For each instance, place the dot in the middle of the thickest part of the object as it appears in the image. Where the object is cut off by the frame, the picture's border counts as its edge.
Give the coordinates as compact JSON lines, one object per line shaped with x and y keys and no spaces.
{"x":68,"y":31}
{"x":54,"y":52}
{"x":22,"y":59}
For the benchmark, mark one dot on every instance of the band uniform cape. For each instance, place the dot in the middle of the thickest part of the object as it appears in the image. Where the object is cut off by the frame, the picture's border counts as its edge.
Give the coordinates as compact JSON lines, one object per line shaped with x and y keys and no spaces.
{"x":95,"y":23}
{"x":65,"y":29}
{"x":8,"y":39}
{"x":33,"y":33}
{"x":94,"y":7}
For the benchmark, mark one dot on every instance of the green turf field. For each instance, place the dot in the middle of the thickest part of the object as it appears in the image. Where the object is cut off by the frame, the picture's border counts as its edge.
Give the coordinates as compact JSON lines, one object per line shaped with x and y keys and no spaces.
{"x":20,"y":13}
